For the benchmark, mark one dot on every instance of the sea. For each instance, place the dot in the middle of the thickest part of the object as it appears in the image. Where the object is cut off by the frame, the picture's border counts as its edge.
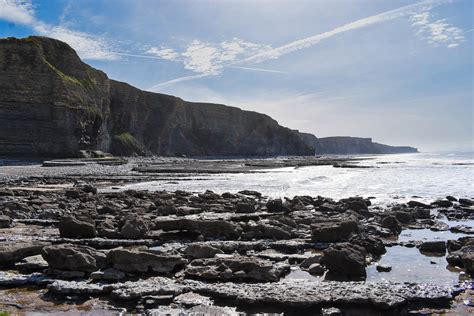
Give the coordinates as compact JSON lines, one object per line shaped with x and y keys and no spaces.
{"x":390,"y":178}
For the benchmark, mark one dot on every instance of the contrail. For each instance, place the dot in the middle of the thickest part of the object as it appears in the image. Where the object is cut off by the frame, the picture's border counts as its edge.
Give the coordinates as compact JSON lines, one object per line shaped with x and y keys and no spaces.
{"x":315,"y":39}
{"x":180,"y":79}
{"x":258,"y":69}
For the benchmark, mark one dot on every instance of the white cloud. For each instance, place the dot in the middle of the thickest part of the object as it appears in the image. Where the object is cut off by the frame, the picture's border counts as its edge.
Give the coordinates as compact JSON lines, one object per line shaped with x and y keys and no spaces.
{"x":209,"y":58}
{"x":87,"y":46}
{"x":163,"y":53}
{"x":16,"y":11}
{"x":438,"y":32}
{"x":265,"y":53}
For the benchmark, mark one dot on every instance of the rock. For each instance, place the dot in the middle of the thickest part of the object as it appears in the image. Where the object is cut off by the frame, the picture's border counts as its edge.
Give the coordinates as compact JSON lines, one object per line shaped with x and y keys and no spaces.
{"x":198,"y":251}
{"x":466,"y":202}
{"x":245,"y":208}
{"x":316,"y":269}
{"x":418,"y":204}
{"x":467,"y":260}
{"x":265,"y":231}
{"x":72,"y":194}
{"x":305,"y":264}
{"x":208,"y":228}
{"x":462,"y":258}
{"x":380,"y":297}
{"x":142,"y":261}
{"x":133,"y":227}
{"x":31,"y":264}
{"x":421,"y":213}
{"x":192,"y":299}
{"x":439,"y":226}
{"x":277,"y":206}
{"x":14,"y":251}
{"x":236,"y":267}
{"x":70,"y":227}
{"x":333,"y":231}
{"x":403,"y":217}
{"x":88,"y":188}
{"x":373,"y":245}
{"x":71,"y":257}
{"x":433,"y":247}
{"x":443,"y":203}
{"x":451,"y":198}
{"x":5,"y":221}
{"x":383,"y":268}
{"x":345,"y":259}
{"x":108,"y":274}
{"x":464,"y":229}
{"x":391,"y":223}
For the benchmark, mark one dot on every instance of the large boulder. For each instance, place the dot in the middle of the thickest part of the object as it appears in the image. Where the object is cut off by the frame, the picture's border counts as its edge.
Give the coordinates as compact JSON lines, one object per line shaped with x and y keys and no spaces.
{"x":14,"y":251}
{"x":390,"y":222}
{"x":134,"y":227}
{"x":71,"y":227}
{"x":433,"y":247}
{"x":333,"y":231}
{"x":371,"y":244}
{"x":277,"y":205}
{"x":345,"y":259}
{"x":71,"y":257}
{"x":143,"y":261}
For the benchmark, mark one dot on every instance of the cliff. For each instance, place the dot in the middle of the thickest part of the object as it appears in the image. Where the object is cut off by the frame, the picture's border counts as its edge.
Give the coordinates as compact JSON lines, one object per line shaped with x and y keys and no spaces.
{"x":53,"y":104}
{"x":351,"y":145}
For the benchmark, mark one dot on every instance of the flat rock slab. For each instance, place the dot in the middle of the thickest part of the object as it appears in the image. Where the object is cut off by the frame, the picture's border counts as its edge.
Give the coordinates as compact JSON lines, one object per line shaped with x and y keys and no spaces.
{"x":286,"y":294}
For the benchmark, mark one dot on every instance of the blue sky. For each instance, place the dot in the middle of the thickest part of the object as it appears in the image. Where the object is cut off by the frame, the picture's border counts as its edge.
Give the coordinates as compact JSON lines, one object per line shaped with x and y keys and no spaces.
{"x":398,"y":71}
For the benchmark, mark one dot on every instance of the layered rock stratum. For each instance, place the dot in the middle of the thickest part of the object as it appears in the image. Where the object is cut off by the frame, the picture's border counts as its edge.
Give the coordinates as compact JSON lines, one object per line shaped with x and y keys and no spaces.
{"x":346,"y":145}
{"x":53,"y":104}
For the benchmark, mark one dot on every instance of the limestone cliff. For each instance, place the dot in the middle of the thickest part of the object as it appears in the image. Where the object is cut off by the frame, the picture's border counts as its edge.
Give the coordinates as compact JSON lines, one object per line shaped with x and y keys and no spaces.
{"x":344,"y":145}
{"x":53,"y":104}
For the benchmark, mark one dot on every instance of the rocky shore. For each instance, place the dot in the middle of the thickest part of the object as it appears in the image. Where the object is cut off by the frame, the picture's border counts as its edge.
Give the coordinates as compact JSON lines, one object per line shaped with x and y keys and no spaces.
{"x":79,"y":248}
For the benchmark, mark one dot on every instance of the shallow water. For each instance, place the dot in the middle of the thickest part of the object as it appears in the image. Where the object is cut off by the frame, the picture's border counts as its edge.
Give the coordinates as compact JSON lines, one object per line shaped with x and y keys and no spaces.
{"x":393,"y":178}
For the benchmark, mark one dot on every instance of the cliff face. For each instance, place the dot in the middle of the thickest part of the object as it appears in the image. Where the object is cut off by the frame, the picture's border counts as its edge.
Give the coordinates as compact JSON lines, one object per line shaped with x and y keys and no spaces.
{"x":170,"y":126}
{"x":343,"y":145}
{"x":52,"y":104}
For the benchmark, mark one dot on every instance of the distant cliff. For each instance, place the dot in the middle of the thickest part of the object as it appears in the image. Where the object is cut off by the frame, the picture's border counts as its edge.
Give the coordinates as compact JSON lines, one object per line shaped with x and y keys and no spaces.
{"x":351,"y":145}
{"x":53,"y":104}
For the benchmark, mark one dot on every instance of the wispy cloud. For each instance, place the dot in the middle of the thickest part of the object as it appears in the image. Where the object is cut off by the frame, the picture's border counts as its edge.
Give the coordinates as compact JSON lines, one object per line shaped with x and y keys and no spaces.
{"x":258,"y":69}
{"x":438,"y":32}
{"x":273,"y":53}
{"x":88,"y":46}
{"x":316,"y":39}
{"x":208,"y":58}
{"x":20,"y":12}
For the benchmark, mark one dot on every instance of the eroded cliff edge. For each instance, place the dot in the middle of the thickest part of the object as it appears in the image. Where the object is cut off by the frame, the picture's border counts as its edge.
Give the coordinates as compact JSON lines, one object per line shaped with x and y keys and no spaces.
{"x":53,"y":104}
{"x":346,"y":145}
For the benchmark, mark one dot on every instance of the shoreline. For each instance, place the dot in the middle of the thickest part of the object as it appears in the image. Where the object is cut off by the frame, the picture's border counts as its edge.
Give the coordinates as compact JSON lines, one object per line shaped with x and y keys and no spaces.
{"x":197,"y":250}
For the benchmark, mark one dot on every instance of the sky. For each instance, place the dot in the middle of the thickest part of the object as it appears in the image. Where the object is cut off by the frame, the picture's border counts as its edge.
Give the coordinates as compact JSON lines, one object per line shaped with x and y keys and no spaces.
{"x":398,"y":71}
